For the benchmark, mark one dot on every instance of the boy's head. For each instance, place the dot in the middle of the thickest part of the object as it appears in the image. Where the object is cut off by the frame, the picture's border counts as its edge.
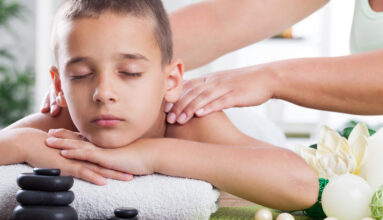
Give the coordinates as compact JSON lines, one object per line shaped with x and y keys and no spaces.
{"x":115,"y":68}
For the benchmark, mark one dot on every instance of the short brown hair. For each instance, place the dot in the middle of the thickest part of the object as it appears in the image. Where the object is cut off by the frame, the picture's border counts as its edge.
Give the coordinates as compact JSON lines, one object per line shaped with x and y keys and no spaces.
{"x":74,"y":9}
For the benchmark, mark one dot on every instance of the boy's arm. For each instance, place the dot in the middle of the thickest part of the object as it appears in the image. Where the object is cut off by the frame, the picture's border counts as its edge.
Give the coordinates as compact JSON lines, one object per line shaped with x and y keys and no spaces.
{"x":241,"y":165}
{"x":45,"y":122}
{"x":231,"y":161}
{"x":25,"y":141}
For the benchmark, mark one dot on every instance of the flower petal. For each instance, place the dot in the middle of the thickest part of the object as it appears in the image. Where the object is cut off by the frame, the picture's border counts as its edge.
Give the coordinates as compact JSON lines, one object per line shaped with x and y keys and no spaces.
{"x":359,"y":130}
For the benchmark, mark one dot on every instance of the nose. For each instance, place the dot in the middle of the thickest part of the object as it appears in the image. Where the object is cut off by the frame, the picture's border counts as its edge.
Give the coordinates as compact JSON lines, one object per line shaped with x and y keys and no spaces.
{"x":104,"y":91}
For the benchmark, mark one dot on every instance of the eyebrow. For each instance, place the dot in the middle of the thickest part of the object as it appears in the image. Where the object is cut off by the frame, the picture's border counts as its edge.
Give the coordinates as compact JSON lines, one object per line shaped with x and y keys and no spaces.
{"x":130,"y":56}
{"x":133,"y":56}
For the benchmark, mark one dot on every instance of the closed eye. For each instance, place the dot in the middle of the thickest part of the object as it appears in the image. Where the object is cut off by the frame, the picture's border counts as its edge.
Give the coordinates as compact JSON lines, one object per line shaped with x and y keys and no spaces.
{"x":80,"y":76}
{"x":133,"y":75}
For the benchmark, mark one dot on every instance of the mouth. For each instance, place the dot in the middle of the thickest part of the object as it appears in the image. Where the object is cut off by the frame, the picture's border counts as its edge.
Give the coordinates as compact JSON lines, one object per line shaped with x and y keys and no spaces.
{"x":107,"y":121}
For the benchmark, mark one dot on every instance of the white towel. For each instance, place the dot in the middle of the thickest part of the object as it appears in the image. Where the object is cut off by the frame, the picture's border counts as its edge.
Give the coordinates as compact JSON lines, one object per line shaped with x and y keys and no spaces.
{"x":155,"y":196}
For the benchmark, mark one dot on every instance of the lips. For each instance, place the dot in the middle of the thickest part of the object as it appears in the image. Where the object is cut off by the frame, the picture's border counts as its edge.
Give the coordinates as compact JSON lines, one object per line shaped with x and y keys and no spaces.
{"x":107,"y":120}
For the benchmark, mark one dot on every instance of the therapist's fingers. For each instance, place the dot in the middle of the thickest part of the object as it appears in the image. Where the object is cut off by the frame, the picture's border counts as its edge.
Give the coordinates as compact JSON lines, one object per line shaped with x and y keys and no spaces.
{"x":176,"y":113}
{"x":223,"y":102}
{"x":45,"y":105}
{"x":199,"y":105}
{"x":55,"y":109}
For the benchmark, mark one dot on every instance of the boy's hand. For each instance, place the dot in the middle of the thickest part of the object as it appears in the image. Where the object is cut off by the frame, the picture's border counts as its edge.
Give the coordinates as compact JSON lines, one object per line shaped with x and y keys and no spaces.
{"x":49,"y":104}
{"x":134,"y":158}
{"x":37,"y":154}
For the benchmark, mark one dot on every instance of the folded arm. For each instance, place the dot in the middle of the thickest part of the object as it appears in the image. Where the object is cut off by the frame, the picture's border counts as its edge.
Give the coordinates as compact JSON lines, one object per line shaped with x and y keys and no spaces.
{"x":211,"y":149}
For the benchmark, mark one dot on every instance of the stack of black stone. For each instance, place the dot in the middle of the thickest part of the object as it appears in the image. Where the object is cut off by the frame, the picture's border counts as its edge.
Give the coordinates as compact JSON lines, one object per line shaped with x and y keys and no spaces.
{"x":44,"y":195}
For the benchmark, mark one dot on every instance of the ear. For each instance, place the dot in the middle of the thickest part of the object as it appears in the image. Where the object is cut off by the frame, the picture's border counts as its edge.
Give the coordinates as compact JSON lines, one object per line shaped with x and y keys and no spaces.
{"x":174,"y":74}
{"x":60,"y":99}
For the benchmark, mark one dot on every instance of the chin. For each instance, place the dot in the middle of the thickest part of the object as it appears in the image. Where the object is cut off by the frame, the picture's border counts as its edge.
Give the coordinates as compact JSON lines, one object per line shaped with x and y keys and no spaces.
{"x":107,"y":141}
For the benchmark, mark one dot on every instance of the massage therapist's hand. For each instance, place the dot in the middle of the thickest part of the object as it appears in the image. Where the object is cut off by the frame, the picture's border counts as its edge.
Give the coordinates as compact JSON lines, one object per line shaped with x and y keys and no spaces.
{"x":235,"y":88}
{"x":49,"y":104}
{"x":37,"y":154}
{"x":134,"y":158}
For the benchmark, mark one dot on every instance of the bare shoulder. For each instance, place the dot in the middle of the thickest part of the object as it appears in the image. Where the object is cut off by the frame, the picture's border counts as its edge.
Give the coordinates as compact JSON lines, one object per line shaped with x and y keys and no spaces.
{"x":214,"y":128}
{"x":45,"y":121}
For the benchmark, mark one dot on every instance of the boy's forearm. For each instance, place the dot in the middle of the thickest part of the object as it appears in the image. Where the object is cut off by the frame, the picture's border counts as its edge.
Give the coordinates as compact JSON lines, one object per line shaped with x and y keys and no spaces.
{"x":11,"y":142}
{"x":270,"y":176}
{"x":350,"y":84}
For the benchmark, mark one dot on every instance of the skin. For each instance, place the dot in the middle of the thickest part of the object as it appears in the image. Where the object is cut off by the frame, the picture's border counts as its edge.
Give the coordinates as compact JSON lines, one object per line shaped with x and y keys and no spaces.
{"x":262,"y":173}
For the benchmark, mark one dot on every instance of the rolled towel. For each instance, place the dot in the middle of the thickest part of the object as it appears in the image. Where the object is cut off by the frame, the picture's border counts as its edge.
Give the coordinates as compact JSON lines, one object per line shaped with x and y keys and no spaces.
{"x":155,"y":196}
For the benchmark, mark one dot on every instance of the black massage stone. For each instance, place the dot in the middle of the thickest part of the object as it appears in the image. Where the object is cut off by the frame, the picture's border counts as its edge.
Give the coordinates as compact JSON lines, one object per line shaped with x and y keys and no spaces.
{"x":117,"y":218}
{"x":44,"y":213}
{"x":126,"y":212}
{"x":29,"y":197}
{"x":44,"y":183}
{"x":46,"y":172}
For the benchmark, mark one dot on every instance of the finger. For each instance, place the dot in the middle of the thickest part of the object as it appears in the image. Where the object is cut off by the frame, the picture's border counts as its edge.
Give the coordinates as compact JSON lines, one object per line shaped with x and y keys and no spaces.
{"x":60,"y":143}
{"x":92,"y":156}
{"x":197,"y":106}
{"x":66,"y":134}
{"x":223,"y":102}
{"x":111,"y":174}
{"x":45,"y":106}
{"x":185,"y":99}
{"x":55,"y":109}
{"x":168,"y":107}
{"x":89,"y":175}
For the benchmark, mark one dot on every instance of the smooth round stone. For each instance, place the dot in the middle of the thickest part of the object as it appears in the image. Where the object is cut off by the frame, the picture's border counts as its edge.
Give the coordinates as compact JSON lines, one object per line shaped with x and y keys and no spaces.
{"x":31,"y":197}
{"x":44,"y":183}
{"x":126,"y":212}
{"x":44,"y":213}
{"x":119,"y":218}
{"x":46,"y":172}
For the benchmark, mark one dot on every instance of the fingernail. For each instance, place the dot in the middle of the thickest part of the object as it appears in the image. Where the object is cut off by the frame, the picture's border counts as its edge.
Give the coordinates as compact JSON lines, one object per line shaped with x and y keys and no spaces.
{"x":199,"y":112}
{"x":51,"y":131}
{"x":182,"y":118}
{"x":51,"y":140}
{"x":128,"y":176}
{"x":172,"y":118}
{"x":168,"y":107}
{"x":102,"y":181}
{"x":64,"y":152}
{"x":53,"y":107}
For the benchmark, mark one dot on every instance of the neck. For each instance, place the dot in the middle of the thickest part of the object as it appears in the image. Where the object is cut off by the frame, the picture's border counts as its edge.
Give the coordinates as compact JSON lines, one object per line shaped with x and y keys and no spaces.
{"x":158,"y":129}
{"x":376,"y":5}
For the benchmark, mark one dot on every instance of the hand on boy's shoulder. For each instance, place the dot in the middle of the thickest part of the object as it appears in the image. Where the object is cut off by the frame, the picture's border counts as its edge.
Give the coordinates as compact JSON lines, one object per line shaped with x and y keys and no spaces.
{"x":215,"y":128}
{"x":45,"y":122}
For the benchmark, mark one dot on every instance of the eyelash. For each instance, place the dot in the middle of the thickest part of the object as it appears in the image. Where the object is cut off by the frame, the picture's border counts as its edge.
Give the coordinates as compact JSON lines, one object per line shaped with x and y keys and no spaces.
{"x":131,"y":75}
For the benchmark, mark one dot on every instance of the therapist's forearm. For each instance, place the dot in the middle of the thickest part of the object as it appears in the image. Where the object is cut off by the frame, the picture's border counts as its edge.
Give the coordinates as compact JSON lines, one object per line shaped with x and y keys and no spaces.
{"x":350,"y":84}
{"x":204,"y":31}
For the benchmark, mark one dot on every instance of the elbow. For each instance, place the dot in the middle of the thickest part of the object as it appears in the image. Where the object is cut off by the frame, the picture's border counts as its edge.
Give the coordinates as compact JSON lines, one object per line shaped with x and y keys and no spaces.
{"x":306,"y":190}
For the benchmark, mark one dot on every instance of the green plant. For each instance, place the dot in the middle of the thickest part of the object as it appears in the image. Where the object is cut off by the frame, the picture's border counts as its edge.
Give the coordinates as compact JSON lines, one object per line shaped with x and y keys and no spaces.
{"x":15,"y":85}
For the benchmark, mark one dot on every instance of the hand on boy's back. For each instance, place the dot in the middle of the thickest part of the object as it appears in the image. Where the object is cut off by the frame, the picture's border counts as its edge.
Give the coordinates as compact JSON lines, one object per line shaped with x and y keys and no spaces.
{"x":49,"y":104}
{"x":37,"y":154}
{"x":135,"y":158}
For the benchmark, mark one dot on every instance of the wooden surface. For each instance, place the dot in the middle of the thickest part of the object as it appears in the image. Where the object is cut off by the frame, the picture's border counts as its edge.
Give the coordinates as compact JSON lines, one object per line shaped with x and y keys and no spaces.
{"x":229,"y":200}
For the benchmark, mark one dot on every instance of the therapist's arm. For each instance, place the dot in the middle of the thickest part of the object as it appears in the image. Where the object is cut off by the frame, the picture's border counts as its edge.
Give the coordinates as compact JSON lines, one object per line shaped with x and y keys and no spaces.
{"x":207,"y":30}
{"x":349,"y":84}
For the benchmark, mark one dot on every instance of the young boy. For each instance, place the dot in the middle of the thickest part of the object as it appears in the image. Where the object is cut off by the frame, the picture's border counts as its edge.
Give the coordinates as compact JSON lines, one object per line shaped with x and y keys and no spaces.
{"x":114,"y":73}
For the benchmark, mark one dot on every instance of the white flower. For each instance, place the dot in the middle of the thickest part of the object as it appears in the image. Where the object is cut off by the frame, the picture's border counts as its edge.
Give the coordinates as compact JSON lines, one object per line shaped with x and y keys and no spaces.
{"x":334,"y":154}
